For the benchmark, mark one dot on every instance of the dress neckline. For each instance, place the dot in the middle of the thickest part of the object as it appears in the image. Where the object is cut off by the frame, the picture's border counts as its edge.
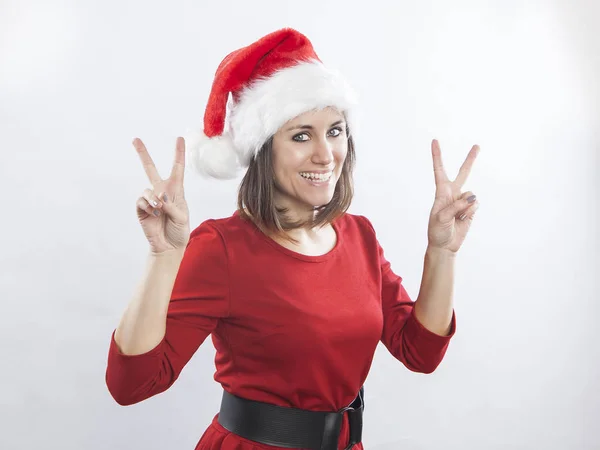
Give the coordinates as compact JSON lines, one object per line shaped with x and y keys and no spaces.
{"x":301,"y":256}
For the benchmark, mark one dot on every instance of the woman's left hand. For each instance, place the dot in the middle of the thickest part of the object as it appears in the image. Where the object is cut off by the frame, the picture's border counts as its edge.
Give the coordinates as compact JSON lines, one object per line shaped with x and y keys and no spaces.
{"x":452,"y":213}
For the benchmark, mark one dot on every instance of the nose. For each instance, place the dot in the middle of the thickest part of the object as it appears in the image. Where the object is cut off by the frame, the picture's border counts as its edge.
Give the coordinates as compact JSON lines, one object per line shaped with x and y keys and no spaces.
{"x":323,"y":153}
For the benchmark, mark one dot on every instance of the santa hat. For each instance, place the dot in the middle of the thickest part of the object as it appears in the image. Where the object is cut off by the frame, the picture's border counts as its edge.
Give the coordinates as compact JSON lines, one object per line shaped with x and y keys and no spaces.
{"x":270,"y":81}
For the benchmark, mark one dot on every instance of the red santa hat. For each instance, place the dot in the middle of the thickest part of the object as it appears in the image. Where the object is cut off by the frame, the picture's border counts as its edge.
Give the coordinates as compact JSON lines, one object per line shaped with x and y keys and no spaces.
{"x":270,"y":81}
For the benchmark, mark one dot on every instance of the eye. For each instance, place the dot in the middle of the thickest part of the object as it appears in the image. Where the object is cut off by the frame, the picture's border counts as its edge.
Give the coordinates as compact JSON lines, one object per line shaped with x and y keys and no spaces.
{"x":335,"y":132}
{"x":303,"y":137}
{"x":298,"y":136}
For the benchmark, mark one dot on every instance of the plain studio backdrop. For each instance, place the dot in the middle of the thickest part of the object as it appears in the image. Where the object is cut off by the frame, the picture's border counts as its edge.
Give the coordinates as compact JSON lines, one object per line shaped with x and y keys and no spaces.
{"x":79,"y":80}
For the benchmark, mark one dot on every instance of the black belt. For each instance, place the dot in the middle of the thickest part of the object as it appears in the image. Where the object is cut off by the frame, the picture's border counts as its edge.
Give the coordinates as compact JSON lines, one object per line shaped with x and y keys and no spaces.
{"x":290,"y":427}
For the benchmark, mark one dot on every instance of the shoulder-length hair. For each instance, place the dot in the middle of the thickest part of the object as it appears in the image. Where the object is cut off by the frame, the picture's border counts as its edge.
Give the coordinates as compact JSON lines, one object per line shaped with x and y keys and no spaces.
{"x":257,"y":190}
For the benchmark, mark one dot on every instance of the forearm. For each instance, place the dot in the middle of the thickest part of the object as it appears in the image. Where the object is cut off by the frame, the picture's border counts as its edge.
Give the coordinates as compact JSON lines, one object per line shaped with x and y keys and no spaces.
{"x":143,"y":323}
{"x":434,"y":304}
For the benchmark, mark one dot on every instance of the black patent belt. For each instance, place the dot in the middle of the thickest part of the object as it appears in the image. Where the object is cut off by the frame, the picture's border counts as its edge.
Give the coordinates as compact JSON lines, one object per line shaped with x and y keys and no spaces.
{"x":290,"y":427}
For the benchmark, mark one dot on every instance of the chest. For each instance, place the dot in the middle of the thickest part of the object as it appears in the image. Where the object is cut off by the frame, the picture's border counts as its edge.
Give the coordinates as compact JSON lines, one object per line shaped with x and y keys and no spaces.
{"x":297,"y":308}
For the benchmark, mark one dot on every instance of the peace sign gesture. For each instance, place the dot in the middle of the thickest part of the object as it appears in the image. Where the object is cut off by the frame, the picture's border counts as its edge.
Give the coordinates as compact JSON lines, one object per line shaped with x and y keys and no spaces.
{"x":452,"y":212}
{"x":162,"y":210}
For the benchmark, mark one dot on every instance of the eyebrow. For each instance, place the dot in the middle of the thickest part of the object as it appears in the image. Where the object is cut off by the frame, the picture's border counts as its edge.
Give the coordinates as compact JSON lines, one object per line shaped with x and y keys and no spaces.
{"x":310,"y":127}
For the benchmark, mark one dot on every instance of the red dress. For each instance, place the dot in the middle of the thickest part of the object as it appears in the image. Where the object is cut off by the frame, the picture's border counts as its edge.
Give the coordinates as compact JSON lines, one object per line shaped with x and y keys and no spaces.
{"x":288,"y":329}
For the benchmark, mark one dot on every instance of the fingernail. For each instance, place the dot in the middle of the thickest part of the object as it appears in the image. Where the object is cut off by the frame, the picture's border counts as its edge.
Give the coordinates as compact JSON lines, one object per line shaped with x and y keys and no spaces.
{"x":156,"y":212}
{"x":154,"y":202}
{"x":463,"y":217}
{"x":471,"y":199}
{"x":165,"y":197}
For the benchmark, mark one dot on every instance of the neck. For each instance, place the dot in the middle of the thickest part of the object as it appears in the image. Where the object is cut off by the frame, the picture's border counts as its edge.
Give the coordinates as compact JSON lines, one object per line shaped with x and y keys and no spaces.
{"x":297,"y":212}
{"x":304,"y":214}
{"x":309,"y":241}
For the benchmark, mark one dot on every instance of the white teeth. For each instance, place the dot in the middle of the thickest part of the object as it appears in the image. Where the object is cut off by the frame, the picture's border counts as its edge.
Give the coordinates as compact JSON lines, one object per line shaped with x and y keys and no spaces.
{"x":316,"y":176}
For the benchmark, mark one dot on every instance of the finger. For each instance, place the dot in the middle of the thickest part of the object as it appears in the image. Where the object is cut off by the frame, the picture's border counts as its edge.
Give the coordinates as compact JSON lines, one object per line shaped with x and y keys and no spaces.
{"x":147,"y":162}
{"x":438,"y":167}
{"x":465,"y":169}
{"x":470,"y":212}
{"x":142,"y":206}
{"x":171,"y":209}
{"x":465,"y":203}
{"x":152,"y":198}
{"x":178,"y":170}
{"x":459,"y":206}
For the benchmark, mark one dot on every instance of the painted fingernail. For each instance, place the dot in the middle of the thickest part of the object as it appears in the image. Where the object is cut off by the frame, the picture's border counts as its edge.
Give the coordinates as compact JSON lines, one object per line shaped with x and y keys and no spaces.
{"x":165,"y":197}
{"x":156,"y":212}
{"x":154,"y":202}
{"x":463,"y":217}
{"x":471,"y":199}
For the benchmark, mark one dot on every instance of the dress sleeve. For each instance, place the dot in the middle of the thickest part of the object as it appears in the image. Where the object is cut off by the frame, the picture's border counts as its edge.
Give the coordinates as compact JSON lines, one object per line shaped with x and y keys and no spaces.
{"x":419,"y":349}
{"x":200,"y":297}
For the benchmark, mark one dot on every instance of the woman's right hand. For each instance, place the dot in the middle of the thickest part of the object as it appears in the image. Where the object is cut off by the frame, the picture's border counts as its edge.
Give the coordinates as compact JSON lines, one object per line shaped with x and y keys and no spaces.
{"x":162,"y":211}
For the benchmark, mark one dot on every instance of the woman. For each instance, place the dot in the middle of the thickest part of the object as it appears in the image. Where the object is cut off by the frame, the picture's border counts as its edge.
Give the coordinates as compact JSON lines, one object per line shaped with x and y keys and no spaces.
{"x":295,"y":292}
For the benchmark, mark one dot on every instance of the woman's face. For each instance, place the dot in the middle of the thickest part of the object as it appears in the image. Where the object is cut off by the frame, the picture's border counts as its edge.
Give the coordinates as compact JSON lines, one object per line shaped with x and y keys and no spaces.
{"x":308,"y":155}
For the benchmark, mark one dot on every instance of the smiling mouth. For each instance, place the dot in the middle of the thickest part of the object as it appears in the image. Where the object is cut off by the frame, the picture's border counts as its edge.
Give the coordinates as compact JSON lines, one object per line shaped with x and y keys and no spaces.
{"x":316,"y":177}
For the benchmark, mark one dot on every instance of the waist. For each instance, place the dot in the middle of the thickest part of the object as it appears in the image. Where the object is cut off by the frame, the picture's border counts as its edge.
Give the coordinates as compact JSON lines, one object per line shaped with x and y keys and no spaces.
{"x":290,"y":427}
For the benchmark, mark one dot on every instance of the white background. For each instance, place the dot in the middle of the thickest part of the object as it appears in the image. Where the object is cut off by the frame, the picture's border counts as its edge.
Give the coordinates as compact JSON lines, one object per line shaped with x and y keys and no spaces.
{"x":79,"y":80}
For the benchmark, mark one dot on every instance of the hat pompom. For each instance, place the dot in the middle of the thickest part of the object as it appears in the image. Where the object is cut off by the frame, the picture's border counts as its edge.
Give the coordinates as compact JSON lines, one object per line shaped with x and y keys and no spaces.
{"x":214,"y":157}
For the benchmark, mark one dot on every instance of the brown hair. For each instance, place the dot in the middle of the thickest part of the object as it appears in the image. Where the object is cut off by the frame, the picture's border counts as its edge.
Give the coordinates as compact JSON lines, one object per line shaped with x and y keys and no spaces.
{"x":257,"y":189}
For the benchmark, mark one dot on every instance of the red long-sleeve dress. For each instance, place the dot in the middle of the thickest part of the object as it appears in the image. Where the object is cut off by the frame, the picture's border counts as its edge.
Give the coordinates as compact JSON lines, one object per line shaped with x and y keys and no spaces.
{"x":288,"y":329}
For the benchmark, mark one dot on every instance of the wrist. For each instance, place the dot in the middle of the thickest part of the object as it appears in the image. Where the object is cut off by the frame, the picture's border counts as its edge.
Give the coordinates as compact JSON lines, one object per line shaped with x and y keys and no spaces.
{"x":436,"y":252}
{"x":167,"y":255}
